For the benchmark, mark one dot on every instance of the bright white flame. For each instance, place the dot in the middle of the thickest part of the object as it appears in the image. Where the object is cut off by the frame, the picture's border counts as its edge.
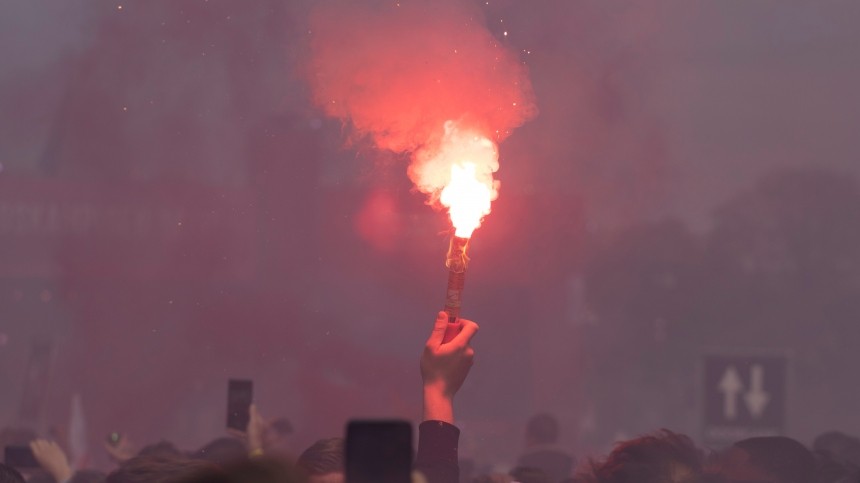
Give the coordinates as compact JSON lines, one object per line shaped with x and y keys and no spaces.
{"x":467,"y":199}
{"x":457,"y":171}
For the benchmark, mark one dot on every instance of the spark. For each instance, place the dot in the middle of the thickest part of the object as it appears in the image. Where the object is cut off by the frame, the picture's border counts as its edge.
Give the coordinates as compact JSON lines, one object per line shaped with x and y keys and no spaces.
{"x":506,"y":33}
{"x":119,"y":7}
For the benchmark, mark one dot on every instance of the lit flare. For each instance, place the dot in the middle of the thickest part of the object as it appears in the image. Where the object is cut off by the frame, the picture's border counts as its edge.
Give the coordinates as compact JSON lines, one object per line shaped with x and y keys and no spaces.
{"x":463,"y":165}
{"x":467,"y":199}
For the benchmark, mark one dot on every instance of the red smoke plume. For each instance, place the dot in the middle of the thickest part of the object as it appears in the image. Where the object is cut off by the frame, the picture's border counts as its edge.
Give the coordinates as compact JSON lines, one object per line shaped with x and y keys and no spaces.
{"x":398,"y":71}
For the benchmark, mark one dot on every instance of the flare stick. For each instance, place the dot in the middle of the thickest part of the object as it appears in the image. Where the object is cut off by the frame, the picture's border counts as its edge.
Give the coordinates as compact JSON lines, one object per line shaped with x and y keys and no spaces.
{"x":456,"y":262}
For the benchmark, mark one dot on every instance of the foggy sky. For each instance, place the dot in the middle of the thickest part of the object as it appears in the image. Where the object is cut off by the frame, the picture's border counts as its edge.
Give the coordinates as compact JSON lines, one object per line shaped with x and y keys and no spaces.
{"x":715,"y":92}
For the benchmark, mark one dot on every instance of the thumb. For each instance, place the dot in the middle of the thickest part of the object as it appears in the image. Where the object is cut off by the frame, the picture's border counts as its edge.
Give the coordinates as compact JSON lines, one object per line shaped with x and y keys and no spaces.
{"x":439,"y":327}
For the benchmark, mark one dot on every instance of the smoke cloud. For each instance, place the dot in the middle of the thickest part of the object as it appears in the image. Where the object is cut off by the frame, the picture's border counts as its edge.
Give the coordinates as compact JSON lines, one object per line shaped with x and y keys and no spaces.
{"x":398,"y":72}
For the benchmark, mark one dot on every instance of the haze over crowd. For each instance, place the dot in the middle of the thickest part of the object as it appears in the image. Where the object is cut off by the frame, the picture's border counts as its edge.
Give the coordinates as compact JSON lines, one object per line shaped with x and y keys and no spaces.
{"x":176,"y":209}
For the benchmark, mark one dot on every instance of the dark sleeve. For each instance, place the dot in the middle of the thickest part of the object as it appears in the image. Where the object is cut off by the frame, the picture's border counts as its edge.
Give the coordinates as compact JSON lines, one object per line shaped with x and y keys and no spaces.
{"x":437,"y":452}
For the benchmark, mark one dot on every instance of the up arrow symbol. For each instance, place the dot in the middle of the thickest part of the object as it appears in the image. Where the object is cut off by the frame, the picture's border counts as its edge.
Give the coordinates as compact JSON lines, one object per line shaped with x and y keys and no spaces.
{"x":730,"y":386}
{"x":756,"y":398}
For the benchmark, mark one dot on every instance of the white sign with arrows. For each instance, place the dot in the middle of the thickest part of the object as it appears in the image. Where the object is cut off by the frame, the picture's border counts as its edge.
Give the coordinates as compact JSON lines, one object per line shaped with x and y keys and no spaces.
{"x":744,"y":395}
{"x":755,"y":398}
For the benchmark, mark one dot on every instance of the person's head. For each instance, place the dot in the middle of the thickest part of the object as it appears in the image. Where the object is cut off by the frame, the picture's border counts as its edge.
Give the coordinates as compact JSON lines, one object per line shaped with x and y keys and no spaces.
{"x":542,"y":429}
{"x":524,"y":474}
{"x":161,"y":448}
{"x":257,"y":470}
{"x":828,"y":470}
{"x":773,"y":459}
{"x":222,"y":450}
{"x":323,"y":461}
{"x":664,"y":457}
{"x":838,"y":446}
{"x":157,"y":469}
{"x":276,"y":437}
{"x":9,"y":474}
{"x":830,"y":442}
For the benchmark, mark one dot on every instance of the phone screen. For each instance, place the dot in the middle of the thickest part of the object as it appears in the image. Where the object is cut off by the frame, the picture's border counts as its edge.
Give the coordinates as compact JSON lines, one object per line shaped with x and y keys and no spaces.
{"x":378,"y":452}
{"x":19,"y":457}
{"x":240,"y":393}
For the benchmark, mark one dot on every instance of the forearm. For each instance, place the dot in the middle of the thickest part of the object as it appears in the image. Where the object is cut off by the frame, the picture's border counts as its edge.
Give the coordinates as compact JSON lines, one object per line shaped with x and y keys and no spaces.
{"x":52,"y":459}
{"x":255,"y":445}
{"x":438,"y":406}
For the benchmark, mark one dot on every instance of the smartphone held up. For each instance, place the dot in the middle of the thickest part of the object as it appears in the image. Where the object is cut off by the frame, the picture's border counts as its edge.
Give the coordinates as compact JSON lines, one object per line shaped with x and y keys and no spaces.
{"x":240,"y":395}
{"x":19,"y":457}
{"x":378,"y":451}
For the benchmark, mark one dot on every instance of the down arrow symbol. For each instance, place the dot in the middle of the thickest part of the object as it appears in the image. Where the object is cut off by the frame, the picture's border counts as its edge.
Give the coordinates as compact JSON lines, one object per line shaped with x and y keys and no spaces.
{"x":756,"y":398}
